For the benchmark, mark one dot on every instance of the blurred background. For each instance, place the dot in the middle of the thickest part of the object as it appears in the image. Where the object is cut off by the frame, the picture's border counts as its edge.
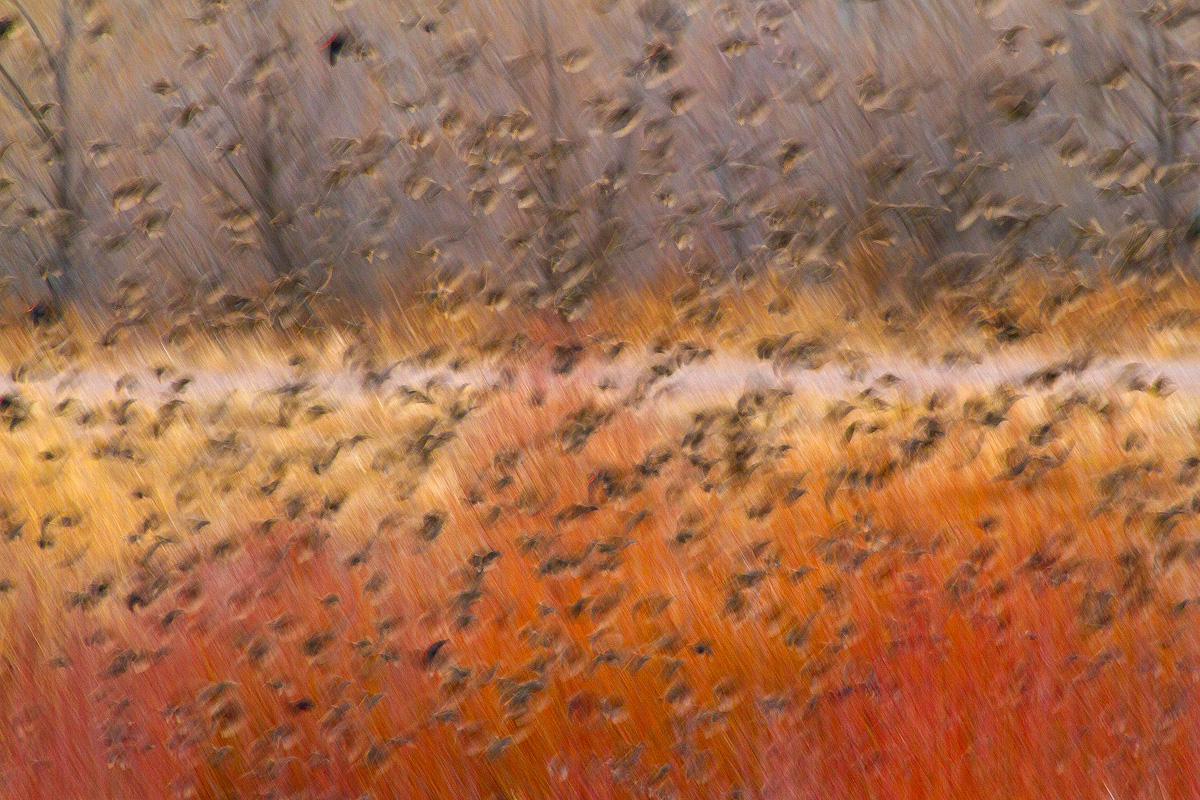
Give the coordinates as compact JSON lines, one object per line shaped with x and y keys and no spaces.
{"x":560,"y":145}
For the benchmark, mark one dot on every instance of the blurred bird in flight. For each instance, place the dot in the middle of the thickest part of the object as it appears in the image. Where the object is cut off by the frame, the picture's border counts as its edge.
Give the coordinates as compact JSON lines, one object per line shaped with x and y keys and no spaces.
{"x":335,"y":44}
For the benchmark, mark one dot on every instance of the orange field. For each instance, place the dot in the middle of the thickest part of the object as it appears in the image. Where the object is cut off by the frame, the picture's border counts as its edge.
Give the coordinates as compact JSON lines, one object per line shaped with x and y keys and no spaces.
{"x":591,"y":580}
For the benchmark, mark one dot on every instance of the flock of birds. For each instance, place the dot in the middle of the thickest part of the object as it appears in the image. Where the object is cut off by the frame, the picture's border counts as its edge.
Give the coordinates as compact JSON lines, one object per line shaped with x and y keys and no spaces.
{"x":534,"y":561}
{"x":790,"y":157}
{"x":566,"y":578}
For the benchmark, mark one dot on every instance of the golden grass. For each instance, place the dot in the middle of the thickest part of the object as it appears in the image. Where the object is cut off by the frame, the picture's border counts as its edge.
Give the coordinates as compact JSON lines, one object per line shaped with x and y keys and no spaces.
{"x":1051,"y":315}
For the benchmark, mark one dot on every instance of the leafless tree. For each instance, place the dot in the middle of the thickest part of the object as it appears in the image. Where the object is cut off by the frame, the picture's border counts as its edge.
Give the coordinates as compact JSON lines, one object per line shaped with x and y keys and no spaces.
{"x":1151,"y":94}
{"x":54,"y":123}
{"x":244,"y":129}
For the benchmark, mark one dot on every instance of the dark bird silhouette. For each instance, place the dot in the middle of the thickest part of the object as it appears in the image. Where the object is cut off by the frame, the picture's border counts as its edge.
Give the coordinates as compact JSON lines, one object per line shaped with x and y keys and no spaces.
{"x":431,"y":652}
{"x":42,"y":313}
{"x":335,"y":44}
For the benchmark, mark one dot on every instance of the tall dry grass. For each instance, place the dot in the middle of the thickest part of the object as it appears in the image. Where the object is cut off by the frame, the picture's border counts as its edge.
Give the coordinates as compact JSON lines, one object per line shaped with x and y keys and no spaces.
{"x":803,"y":608}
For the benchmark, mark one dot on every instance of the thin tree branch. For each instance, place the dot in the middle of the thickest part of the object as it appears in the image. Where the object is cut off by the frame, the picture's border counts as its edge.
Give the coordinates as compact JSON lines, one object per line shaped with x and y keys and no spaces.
{"x":1140,"y":113}
{"x":245,"y":184}
{"x":204,"y":175}
{"x":27,"y":105}
{"x":1145,"y":81}
{"x":33,"y":26}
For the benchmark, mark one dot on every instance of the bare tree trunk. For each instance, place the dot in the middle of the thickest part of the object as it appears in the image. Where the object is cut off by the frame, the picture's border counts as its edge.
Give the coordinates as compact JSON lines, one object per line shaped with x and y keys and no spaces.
{"x":1165,"y":135}
{"x":551,"y":230}
{"x":66,"y":156}
{"x":268,"y":184}
{"x":265,"y":164}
